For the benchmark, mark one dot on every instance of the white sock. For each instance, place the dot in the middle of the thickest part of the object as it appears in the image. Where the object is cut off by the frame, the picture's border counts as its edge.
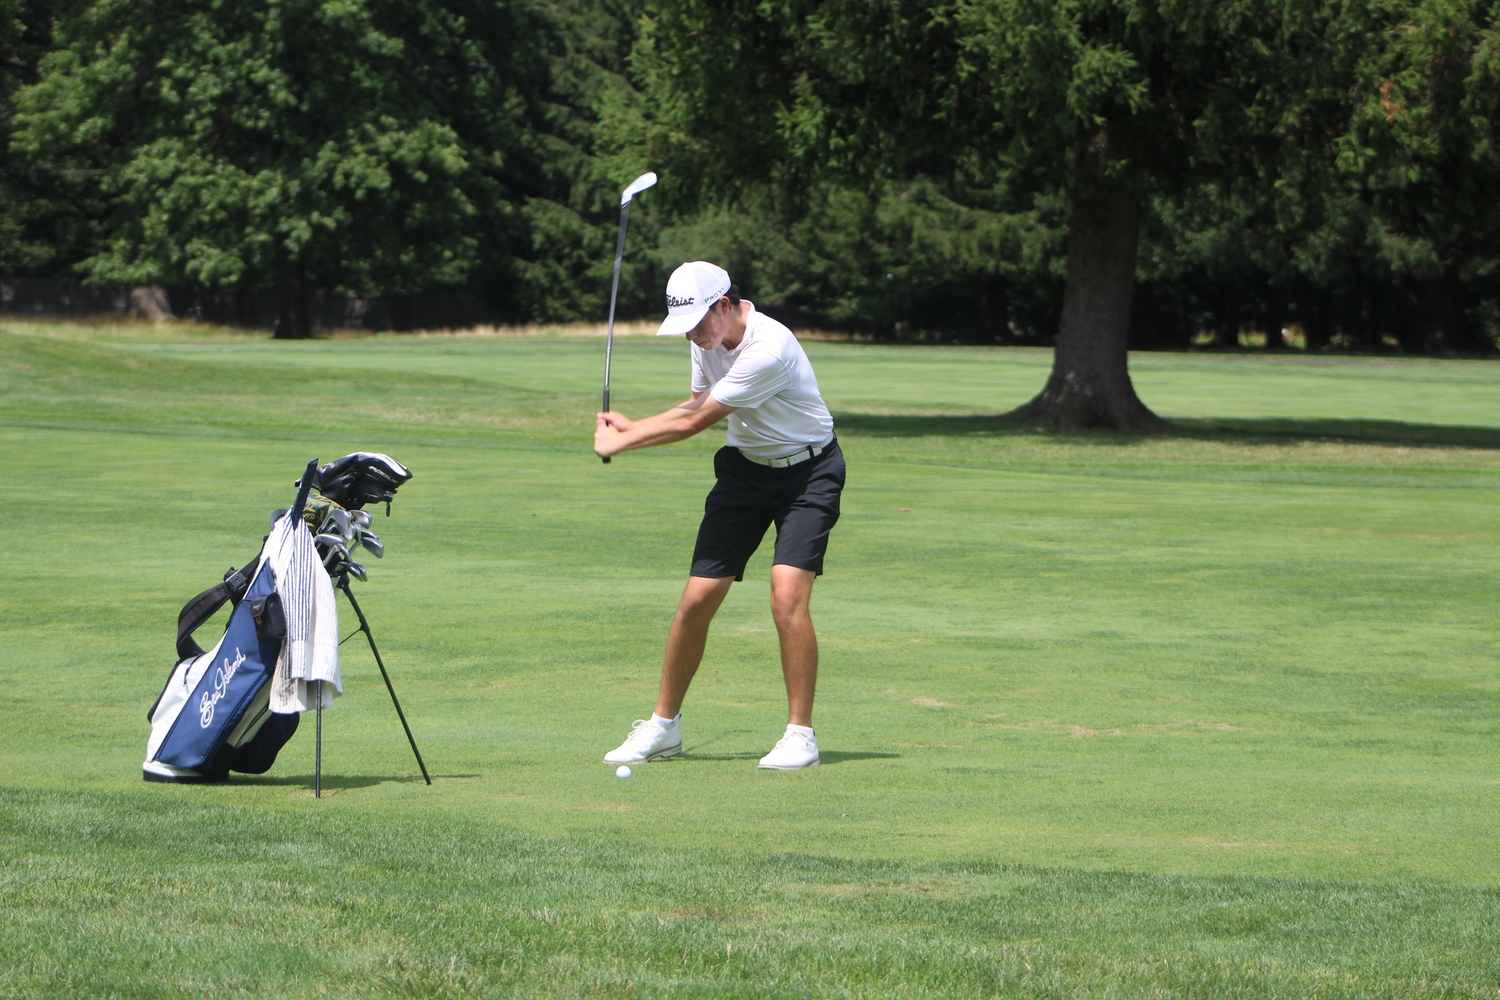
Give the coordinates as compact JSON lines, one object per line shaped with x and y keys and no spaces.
{"x":804,"y":730}
{"x":666,"y":722}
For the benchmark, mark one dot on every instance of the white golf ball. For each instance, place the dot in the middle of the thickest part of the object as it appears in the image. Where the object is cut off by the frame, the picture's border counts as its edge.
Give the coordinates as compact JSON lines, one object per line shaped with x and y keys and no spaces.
{"x":622,"y":771}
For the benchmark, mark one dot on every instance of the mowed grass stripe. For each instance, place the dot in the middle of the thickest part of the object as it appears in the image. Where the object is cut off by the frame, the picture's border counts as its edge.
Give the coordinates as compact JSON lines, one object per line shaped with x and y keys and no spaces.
{"x":1209,"y":715}
{"x":871,"y":379}
{"x":308,"y":903}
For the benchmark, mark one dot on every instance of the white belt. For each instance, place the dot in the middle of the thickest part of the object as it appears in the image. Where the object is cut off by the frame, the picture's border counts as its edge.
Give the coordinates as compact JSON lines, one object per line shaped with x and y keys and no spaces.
{"x":796,"y":458}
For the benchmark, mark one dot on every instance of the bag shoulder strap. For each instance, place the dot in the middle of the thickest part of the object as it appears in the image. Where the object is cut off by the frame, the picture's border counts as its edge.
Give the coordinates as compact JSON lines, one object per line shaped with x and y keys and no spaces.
{"x":201,"y":608}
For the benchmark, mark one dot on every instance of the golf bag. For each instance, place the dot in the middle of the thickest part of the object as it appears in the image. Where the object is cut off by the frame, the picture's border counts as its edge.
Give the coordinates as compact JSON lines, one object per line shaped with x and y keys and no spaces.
{"x":213,"y":716}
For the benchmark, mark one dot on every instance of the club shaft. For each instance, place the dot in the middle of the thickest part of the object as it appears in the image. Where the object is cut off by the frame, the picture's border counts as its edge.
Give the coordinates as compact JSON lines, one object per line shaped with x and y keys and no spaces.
{"x":614,"y":295}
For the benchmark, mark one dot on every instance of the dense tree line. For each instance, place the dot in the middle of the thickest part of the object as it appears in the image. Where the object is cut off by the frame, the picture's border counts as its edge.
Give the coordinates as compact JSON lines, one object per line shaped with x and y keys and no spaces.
{"x":1330,"y":164}
{"x":1090,"y":173}
{"x":367,"y":145}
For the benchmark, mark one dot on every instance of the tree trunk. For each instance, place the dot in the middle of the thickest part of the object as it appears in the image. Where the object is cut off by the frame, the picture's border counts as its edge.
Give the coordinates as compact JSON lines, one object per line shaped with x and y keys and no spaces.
{"x":1275,"y":319}
{"x":401,"y":312}
{"x":986,"y":329}
{"x":1317,"y":318}
{"x":1443,"y":327}
{"x":294,"y":321}
{"x":150,"y":302}
{"x":1228,"y":334}
{"x":1090,"y":382}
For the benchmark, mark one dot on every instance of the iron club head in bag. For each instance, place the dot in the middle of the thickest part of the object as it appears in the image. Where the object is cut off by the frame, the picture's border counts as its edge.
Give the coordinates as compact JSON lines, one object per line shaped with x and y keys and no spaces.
{"x":371,"y":542}
{"x":636,"y":186}
{"x":337,"y":523}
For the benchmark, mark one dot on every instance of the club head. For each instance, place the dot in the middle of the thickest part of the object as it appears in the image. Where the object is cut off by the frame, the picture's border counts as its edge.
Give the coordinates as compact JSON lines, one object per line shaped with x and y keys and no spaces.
{"x":356,"y":570}
{"x":327,"y":542}
{"x":336,"y":554}
{"x":371,"y":542}
{"x":337,"y":521}
{"x":641,"y":183}
{"x":361,"y":518}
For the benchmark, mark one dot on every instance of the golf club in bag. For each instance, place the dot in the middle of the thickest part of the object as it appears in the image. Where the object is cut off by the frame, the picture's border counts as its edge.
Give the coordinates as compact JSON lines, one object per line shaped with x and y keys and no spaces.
{"x":217,"y":712}
{"x":638,"y":185}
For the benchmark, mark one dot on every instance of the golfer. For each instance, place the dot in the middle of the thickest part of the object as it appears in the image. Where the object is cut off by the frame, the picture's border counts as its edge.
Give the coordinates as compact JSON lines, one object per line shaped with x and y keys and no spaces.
{"x":782,"y":465}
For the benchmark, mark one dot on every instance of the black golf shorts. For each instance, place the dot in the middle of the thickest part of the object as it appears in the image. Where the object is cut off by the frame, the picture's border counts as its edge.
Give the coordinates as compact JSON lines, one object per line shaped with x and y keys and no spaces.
{"x":801,"y":500}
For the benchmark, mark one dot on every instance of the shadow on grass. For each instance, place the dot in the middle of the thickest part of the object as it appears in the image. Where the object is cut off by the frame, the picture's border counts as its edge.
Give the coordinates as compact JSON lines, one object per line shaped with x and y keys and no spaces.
{"x":1232,"y":430}
{"x":337,"y":780}
{"x":826,"y":756}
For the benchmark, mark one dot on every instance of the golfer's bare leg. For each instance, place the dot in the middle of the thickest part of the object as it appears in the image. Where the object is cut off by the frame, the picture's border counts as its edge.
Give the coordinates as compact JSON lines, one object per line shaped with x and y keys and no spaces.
{"x":700,"y":602}
{"x":791,"y":595}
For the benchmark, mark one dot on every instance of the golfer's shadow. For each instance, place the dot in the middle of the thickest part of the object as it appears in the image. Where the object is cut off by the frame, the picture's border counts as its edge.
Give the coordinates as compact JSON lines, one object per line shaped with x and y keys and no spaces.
{"x":825,"y":757}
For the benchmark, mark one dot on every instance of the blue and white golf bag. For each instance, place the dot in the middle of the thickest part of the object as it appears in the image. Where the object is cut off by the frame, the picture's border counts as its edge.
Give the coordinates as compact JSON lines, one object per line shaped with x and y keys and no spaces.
{"x":228,"y":709}
{"x":214,"y":714}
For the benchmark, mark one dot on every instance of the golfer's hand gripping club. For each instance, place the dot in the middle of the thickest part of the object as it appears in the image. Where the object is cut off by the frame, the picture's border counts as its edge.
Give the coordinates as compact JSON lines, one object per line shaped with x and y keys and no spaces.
{"x":608,"y":426}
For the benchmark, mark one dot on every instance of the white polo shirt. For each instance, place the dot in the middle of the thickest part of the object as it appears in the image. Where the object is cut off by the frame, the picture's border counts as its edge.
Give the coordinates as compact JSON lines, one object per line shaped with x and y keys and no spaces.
{"x":771,"y":383}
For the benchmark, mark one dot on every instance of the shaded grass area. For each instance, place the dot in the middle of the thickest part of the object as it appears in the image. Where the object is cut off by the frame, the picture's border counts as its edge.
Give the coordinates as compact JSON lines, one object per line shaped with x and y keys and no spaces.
{"x":1205,"y":715}
{"x":306,"y":902}
{"x":1249,"y":431}
{"x":886,"y":380}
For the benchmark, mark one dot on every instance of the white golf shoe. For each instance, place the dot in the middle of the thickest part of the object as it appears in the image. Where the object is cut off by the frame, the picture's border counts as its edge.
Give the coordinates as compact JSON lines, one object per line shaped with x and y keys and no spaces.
{"x":649,"y":739}
{"x":798,"y":748}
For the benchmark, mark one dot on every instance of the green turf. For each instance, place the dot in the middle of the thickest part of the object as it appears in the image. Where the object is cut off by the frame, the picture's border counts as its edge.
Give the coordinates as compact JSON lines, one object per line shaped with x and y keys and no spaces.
{"x":1213,"y":714}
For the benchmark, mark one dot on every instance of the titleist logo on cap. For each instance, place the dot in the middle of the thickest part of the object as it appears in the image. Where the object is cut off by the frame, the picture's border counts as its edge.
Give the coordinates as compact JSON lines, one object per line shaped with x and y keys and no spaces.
{"x":673,"y":302}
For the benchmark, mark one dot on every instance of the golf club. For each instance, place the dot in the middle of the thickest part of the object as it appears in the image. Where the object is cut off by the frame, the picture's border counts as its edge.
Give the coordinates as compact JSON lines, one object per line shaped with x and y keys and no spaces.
{"x":339,"y":524}
{"x":638,"y":185}
{"x":372,"y":544}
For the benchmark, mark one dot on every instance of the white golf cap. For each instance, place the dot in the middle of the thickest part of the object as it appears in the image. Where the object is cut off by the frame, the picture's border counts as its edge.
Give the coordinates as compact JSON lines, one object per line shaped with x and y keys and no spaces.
{"x":692,"y":288}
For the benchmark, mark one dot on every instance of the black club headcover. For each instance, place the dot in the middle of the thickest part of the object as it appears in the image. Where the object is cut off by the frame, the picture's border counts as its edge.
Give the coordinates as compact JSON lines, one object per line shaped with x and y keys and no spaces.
{"x":361,"y":478}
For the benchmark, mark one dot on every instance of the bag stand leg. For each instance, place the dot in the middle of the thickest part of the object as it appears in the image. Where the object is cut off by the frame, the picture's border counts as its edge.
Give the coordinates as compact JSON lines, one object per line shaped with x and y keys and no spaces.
{"x":318,"y":745}
{"x":364,"y":626}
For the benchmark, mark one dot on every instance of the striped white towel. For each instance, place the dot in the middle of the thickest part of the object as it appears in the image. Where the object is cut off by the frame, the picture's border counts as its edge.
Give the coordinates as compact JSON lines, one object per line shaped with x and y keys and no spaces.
{"x":311,"y":650}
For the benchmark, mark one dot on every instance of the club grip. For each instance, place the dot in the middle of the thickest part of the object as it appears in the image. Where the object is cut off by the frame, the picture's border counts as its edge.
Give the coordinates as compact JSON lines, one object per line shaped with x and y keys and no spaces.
{"x":606,"y":408}
{"x":304,"y":487}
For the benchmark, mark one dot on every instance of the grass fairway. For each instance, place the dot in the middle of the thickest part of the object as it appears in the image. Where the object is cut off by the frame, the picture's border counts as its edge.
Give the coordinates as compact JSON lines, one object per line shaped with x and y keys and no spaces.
{"x":1207,"y":715}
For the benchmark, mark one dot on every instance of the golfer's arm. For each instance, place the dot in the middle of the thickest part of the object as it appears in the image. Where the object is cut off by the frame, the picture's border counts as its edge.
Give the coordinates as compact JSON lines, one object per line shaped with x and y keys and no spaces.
{"x":677,"y":424}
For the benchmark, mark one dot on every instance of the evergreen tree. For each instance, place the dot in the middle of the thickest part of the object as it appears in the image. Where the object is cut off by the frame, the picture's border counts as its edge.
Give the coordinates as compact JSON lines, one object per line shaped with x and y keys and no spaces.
{"x":248,"y":143}
{"x":1110,"y":103}
{"x":1421,"y":154}
{"x":571,"y":210}
{"x":47,"y":218}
